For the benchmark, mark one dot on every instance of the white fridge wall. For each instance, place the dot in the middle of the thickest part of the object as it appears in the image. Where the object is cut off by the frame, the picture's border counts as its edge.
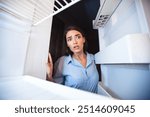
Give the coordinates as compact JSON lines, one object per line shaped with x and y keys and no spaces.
{"x":23,"y":47}
{"x":14,"y":36}
{"x":146,"y":4}
{"x":38,"y":47}
{"x":126,"y":81}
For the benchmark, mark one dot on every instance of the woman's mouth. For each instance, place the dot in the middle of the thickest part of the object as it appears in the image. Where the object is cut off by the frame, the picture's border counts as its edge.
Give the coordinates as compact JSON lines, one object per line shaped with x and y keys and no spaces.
{"x":76,"y":47}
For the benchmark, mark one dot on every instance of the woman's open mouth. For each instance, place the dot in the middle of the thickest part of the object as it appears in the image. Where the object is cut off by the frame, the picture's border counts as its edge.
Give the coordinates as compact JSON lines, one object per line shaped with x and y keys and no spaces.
{"x":76,"y":47}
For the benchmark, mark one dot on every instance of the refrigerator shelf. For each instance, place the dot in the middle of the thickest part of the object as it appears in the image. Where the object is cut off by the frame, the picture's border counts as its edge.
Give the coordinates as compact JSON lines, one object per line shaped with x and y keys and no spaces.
{"x":132,"y":48}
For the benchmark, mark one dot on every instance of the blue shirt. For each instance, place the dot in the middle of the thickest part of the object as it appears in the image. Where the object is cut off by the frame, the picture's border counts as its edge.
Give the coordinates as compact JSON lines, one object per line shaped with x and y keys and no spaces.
{"x":70,"y":72}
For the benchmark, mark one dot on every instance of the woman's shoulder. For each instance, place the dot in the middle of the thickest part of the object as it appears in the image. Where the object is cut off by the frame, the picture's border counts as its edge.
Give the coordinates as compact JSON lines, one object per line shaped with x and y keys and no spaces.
{"x":61,"y":59}
{"x":90,"y":55}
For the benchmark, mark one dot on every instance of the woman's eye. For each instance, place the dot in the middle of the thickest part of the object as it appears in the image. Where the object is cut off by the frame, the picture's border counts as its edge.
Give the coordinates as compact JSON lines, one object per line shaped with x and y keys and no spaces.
{"x":69,"y":39}
{"x":78,"y":36}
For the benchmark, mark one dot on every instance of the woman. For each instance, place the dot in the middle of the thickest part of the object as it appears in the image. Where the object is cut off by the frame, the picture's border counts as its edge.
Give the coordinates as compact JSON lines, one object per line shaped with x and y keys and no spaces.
{"x":77,"y":69}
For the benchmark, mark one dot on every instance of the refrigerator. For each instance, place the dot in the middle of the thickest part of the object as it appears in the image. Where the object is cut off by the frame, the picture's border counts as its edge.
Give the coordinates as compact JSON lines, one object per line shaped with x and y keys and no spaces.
{"x":124,"y":50}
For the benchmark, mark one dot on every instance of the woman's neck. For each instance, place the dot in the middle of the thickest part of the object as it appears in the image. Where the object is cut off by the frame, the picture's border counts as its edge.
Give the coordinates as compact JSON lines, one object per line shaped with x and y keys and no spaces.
{"x":81,"y":57}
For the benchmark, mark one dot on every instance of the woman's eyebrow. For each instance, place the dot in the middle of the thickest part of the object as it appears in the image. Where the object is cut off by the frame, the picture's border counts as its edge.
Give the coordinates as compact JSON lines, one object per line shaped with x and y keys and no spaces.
{"x":77,"y":35}
{"x":69,"y":37}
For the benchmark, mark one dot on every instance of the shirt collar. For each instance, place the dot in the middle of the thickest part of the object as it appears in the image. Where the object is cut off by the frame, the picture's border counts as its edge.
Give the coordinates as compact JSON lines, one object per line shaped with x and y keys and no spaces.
{"x":90,"y":59}
{"x":69,"y":59}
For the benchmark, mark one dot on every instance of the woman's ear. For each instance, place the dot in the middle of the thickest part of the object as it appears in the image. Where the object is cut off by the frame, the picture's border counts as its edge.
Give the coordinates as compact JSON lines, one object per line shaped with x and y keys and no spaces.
{"x":67,"y":46}
{"x":84,"y":39}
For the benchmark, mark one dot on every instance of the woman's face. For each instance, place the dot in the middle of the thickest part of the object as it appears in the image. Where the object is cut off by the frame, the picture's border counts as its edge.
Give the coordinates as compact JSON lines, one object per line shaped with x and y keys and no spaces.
{"x":75,"y":41}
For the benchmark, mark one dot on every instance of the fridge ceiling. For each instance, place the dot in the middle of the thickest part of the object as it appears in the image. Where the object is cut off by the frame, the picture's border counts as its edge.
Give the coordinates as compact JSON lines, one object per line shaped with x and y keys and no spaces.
{"x":105,"y":11}
{"x":35,"y":11}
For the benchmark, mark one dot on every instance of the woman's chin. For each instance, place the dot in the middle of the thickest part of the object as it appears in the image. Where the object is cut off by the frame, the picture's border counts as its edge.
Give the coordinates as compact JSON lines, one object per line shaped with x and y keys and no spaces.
{"x":76,"y":51}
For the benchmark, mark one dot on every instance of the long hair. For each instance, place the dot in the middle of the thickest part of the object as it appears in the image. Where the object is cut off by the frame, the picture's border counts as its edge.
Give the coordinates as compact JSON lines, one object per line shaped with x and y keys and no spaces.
{"x":69,"y":28}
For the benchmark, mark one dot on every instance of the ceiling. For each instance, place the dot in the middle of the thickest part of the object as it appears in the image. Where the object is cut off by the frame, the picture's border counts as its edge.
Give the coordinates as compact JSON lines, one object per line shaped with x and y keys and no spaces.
{"x":81,"y":14}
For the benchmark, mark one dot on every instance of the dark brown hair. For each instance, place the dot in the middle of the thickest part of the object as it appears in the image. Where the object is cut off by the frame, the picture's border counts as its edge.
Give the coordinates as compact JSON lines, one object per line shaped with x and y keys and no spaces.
{"x":69,"y":28}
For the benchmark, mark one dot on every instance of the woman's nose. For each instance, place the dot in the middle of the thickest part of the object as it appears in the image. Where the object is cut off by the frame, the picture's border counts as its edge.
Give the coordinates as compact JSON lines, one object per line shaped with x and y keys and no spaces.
{"x":74,"y":40}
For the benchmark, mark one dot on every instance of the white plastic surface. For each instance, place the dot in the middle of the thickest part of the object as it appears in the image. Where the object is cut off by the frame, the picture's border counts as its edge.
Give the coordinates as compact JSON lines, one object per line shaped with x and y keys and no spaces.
{"x":133,"y":48}
{"x":28,"y":87}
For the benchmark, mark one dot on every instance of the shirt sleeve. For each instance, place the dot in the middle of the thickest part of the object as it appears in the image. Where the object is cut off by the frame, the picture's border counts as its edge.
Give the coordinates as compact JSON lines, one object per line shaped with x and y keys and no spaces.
{"x":58,"y":71}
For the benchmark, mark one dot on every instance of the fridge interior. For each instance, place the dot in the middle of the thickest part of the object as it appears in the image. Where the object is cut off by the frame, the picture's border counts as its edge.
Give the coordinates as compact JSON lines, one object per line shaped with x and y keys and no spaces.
{"x":124,"y":50}
{"x":119,"y":38}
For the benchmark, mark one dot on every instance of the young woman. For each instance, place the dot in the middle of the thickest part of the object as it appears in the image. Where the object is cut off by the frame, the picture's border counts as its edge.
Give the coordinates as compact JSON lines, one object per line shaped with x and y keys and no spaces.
{"x":77,"y":69}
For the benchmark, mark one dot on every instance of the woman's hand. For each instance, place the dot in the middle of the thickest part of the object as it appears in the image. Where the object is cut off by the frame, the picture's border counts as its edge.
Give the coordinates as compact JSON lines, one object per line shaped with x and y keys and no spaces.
{"x":50,"y":68}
